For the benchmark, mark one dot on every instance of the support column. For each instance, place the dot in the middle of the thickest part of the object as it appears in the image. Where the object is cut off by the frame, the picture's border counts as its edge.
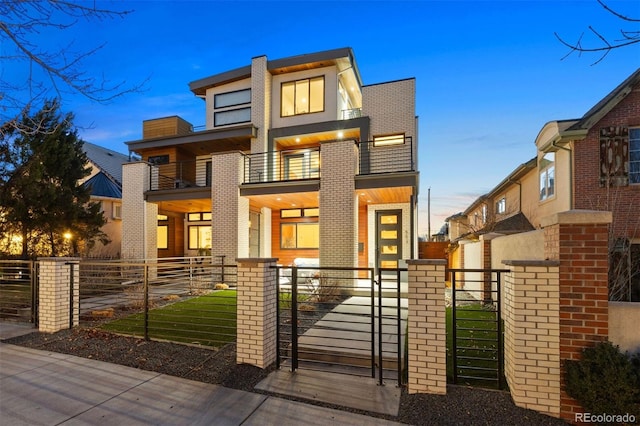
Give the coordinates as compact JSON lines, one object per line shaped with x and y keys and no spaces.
{"x":579,"y":240}
{"x":257,"y":312}
{"x":230,"y":211}
{"x":139,"y":218}
{"x":58,"y":305}
{"x":427,"y":332}
{"x":338,"y":205}
{"x":532,"y":334}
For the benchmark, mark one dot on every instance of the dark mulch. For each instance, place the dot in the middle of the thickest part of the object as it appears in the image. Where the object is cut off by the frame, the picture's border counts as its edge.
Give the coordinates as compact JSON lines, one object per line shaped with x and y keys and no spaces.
{"x":461,"y":406}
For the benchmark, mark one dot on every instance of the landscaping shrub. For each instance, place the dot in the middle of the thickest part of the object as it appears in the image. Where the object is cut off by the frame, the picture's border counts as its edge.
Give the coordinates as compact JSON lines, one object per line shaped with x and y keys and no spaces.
{"x":605,"y":380}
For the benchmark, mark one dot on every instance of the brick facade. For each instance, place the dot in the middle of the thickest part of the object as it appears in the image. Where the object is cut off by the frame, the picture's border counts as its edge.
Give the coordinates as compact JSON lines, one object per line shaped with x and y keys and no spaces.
{"x":427,"y":334}
{"x":578,"y":240}
{"x":230,"y":212}
{"x":54,"y":293}
{"x":139,"y":218}
{"x":256,"y":315}
{"x":532,"y":334}
{"x":588,"y":192}
{"x":338,"y":205}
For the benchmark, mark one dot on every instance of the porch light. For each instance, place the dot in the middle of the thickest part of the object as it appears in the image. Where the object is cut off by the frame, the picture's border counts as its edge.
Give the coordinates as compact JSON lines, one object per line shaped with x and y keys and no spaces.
{"x":67,"y":235}
{"x":340,"y":135}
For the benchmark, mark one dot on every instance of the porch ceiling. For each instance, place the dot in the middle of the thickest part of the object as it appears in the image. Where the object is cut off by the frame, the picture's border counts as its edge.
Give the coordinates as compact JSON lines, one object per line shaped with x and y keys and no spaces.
{"x":314,"y":139}
{"x":185,"y":206}
{"x":312,"y":199}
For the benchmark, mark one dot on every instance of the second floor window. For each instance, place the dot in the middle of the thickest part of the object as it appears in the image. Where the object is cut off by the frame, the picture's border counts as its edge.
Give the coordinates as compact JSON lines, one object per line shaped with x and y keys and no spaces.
{"x":501,"y":206}
{"x":634,"y":155}
{"x":302,"y":96}
{"x":547,"y":168}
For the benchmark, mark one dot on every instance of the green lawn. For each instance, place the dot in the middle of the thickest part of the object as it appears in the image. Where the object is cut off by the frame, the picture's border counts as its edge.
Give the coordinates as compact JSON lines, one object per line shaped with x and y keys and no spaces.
{"x":477,"y":345}
{"x":208,"y":320}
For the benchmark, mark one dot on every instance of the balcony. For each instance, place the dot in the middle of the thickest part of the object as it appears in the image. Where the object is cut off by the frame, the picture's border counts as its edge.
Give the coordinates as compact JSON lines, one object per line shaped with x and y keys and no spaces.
{"x":183,"y":174}
{"x":374,"y":159}
{"x":282,"y":166}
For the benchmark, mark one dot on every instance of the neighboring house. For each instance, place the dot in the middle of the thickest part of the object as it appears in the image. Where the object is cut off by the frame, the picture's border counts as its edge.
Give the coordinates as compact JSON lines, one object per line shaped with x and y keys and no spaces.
{"x":591,"y":163}
{"x":105,"y":180}
{"x":298,"y":159}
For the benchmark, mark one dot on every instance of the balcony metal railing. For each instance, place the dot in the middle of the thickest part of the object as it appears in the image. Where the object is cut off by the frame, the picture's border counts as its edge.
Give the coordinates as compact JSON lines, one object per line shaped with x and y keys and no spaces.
{"x":348,"y":114}
{"x":278,"y":166}
{"x":182,"y":174}
{"x":387,"y":158}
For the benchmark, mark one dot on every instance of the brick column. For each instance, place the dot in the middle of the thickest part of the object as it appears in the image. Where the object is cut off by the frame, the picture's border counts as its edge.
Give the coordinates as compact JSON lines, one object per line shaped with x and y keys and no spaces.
{"x":139,"y":218}
{"x":54,"y":305}
{"x":485,"y":253}
{"x":532,"y":335}
{"x":256,"y":312}
{"x":230,"y":211}
{"x":427,"y":332}
{"x":579,"y":240}
{"x":338,"y":204}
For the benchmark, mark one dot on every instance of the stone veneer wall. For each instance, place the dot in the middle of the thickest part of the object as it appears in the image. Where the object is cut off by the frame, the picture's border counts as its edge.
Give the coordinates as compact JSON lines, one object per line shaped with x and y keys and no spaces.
{"x":338,"y":204}
{"x":230,"y":212}
{"x":256,"y":317}
{"x":532,"y":334}
{"x":427,"y":334}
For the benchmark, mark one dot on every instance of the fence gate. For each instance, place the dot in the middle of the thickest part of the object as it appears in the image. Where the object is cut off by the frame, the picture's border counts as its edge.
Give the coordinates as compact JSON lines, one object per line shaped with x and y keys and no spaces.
{"x":19,"y":290}
{"x":343,"y":320}
{"x":475,"y":329}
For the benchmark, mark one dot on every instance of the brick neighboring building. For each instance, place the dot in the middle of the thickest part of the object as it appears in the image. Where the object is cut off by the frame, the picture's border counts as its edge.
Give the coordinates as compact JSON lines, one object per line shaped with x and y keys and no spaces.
{"x":298,"y":159}
{"x":590,"y":163}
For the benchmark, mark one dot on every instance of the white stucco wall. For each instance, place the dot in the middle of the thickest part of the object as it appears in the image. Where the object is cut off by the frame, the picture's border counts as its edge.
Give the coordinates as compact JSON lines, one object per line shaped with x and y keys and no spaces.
{"x":523,"y":246}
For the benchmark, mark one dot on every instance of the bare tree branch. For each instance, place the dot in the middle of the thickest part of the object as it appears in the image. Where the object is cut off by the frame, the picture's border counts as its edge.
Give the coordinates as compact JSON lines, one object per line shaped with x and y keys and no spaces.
{"x":628,"y":38}
{"x":60,"y":71}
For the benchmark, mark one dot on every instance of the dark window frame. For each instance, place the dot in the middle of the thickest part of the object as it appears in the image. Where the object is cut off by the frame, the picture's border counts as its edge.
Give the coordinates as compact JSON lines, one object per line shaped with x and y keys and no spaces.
{"x":294,"y":82}
{"x":217,"y":95}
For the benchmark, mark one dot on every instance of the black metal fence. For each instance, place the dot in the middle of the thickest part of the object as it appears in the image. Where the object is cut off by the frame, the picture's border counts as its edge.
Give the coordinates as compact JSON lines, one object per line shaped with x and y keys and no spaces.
{"x":187,"y":300}
{"x":475,"y":329}
{"x":19,"y":290}
{"x":346,"y":320}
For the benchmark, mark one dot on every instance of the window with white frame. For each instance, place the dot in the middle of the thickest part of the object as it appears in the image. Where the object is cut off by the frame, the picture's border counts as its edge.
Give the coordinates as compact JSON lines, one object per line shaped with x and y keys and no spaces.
{"x":501,"y":206}
{"x":546,"y":168}
{"x":303,"y":96}
{"x":484,"y":214}
{"x":117,"y":211}
{"x":634,"y":155}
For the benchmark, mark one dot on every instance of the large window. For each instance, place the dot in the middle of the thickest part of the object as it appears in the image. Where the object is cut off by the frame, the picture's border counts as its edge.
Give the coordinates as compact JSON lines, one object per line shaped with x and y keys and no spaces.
{"x":634,"y":155}
{"x":199,"y":237}
{"x":224,"y":115}
{"x":239,"y":97}
{"x":302,"y":96}
{"x":546,"y":166}
{"x":301,"y":235}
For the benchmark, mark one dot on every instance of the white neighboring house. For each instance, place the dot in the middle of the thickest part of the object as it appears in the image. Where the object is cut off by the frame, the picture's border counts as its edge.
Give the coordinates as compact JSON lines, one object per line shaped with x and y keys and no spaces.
{"x":105,"y":181}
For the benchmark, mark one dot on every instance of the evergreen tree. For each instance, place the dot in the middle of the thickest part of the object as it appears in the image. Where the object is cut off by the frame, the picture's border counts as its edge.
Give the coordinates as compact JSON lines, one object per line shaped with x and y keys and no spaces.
{"x":41,"y":197}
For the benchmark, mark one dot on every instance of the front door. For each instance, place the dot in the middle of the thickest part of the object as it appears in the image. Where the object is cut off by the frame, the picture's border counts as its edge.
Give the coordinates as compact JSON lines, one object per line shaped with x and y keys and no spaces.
{"x":388,"y":238}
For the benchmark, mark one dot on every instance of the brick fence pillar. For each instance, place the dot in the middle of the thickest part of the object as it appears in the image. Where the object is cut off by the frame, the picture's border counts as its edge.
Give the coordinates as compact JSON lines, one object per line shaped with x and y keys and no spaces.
{"x":256,"y":312}
{"x":532,"y":334}
{"x":54,"y":293}
{"x":427,"y":332}
{"x":579,"y":240}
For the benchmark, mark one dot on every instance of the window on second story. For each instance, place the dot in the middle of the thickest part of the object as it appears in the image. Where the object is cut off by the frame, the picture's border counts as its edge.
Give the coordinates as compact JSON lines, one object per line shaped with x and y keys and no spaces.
{"x":484,"y":214}
{"x":501,"y":206}
{"x":634,"y":155}
{"x":302,"y":96}
{"x":546,"y":168}
{"x":388,"y":140}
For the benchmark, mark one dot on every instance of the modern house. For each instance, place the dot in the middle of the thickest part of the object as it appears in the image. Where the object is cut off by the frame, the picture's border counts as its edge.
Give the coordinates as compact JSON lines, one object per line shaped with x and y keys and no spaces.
{"x":298,"y":160}
{"x":590,"y":163}
{"x":105,"y":181}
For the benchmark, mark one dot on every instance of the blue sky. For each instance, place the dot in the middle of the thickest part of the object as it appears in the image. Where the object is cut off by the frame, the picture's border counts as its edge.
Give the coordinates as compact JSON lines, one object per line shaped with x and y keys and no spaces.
{"x":489,"y":74}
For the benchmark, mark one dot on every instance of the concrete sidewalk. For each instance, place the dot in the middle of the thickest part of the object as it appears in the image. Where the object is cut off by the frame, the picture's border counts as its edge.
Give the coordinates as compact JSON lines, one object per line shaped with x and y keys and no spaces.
{"x":48,"y":388}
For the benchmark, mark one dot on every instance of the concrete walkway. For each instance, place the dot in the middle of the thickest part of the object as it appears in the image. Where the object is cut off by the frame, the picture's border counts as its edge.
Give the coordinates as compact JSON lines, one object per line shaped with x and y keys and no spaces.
{"x":48,"y":388}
